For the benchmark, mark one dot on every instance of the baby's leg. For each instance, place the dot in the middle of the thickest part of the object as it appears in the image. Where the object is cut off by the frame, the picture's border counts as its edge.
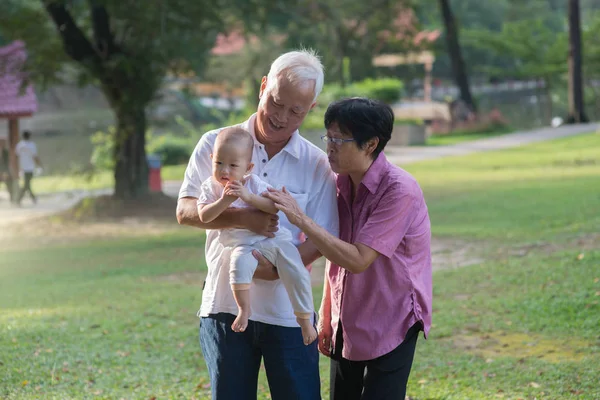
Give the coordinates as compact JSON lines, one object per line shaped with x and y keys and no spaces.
{"x":242,"y":267}
{"x":296,"y":280}
{"x":241,"y":293}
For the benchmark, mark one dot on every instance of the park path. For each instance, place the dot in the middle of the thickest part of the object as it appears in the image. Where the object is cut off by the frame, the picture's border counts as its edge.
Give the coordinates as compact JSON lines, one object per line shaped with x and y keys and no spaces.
{"x":406,"y":155}
{"x":55,"y":203}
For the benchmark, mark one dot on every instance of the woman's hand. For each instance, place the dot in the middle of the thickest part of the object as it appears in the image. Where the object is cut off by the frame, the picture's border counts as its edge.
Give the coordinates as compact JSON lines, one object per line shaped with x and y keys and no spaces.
{"x":325,"y":336}
{"x":285,"y":203}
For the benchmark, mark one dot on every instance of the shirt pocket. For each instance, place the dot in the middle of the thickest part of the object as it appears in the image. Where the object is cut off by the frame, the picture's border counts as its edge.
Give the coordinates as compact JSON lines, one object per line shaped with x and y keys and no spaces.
{"x":302,"y":200}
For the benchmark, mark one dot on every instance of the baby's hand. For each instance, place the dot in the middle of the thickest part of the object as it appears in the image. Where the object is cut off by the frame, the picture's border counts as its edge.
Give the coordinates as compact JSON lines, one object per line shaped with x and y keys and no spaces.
{"x":237,"y":189}
{"x":228,"y":193}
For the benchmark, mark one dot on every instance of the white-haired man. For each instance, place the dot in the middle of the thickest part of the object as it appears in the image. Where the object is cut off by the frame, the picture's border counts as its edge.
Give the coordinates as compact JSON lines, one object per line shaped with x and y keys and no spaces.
{"x":282,"y":158}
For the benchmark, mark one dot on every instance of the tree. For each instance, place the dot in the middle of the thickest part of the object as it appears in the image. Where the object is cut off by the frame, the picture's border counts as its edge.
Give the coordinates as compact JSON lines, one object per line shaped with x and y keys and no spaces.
{"x":454,"y":51}
{"x":125,"y":47}
{"x":348,"y":32}
{"x":531,"y":50}
{"x":576,"y":112}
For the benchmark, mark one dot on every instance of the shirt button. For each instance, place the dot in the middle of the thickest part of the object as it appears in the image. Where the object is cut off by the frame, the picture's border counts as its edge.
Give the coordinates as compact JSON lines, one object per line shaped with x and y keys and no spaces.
{"x":265,"y":174}
{"x":264,"y":160}
{"x":260,"y":147}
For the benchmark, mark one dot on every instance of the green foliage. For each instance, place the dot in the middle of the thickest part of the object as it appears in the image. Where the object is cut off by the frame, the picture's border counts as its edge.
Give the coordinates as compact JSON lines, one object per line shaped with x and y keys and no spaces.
{"x":173,"y":148}
{"x":533,"y":49}
{"x":388,"y":90}
{"x":103,"y":144}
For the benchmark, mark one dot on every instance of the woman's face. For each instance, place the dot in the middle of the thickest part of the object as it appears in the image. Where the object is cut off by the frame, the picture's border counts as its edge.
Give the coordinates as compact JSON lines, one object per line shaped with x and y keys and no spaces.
{"x":345,"y":157}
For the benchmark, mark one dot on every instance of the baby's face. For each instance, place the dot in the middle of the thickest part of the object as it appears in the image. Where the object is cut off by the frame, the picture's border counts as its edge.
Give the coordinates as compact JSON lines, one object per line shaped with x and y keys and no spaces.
{"x":230,"y":162}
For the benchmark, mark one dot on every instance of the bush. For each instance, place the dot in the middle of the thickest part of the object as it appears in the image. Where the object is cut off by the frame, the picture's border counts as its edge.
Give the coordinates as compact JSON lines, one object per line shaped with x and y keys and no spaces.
{"x":173,"y":150}
{"x":387,"y":90}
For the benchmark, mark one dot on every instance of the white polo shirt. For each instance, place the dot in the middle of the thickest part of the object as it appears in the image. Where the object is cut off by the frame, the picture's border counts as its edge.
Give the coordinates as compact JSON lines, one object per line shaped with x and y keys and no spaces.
{"x":27,"y":151}
{"x":304,"y":170}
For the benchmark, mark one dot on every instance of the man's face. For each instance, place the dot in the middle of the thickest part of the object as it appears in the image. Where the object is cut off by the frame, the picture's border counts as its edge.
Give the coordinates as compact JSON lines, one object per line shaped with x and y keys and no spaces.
{"x":282,"y":110}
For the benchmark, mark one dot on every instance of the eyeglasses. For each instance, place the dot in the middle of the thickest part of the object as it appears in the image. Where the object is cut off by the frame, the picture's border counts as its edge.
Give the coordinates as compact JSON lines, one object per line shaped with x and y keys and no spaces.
{"x":335,"y":141}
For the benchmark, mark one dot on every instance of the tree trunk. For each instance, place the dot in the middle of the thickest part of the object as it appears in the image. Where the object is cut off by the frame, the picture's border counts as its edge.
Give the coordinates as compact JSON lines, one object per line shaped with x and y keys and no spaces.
{"x":458,"y":64}
{"x":549,"y":102}
{"x":131,"y":168}
{"x":576,"y":113}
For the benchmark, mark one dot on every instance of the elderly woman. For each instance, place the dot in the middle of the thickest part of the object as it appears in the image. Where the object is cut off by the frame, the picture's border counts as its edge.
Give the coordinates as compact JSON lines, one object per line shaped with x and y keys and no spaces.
{"x":377,"y":294}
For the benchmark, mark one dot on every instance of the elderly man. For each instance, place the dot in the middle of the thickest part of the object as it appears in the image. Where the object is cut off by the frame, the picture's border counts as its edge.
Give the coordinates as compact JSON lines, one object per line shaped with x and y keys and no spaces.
{"x":282,"y":158}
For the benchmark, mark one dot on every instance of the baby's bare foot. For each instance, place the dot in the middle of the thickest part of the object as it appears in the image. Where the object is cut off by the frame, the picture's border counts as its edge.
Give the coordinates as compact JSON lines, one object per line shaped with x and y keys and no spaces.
{"x":241,"y":322}
{"x":309,"y":333}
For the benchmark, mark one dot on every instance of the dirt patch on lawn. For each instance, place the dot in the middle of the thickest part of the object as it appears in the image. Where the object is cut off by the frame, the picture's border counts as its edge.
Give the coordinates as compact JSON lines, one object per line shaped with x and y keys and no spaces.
{"x":94,"y":218}
{"x":154,"y":206}
{"x":521,"y":346}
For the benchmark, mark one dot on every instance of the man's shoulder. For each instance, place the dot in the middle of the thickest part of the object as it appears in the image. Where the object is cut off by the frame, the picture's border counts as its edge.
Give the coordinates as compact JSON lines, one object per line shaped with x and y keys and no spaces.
{"x":311,"y":153}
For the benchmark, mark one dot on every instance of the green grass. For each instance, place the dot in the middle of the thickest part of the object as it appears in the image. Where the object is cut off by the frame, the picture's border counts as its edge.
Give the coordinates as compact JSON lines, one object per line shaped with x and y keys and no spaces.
{"x":459,"y":137}
{"x":116,"y":318}
{"x":530,"y":193}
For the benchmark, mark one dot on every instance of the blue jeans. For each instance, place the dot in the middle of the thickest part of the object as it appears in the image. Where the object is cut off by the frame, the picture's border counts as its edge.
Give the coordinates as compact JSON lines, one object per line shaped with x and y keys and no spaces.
{"x":233,"y":360}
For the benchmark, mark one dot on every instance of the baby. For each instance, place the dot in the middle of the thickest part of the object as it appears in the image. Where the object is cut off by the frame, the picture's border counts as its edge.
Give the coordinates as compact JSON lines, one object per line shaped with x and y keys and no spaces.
{"x":232,"y":185}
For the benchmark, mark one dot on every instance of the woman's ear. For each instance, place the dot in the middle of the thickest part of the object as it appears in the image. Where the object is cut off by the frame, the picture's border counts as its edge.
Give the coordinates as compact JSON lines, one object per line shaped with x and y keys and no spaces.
{"x":372,"y":145}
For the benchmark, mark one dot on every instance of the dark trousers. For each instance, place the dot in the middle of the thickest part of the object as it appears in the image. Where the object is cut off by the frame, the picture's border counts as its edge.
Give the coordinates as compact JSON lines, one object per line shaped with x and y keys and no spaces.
{"x":233,"y":360}
{"x":27,"y":187}
{"x":383,"y":378}
{"x":9,"y":185}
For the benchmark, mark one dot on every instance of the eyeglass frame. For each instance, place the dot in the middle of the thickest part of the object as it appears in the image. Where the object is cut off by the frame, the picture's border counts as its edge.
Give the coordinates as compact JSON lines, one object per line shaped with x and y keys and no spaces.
{"x":335,"y":141}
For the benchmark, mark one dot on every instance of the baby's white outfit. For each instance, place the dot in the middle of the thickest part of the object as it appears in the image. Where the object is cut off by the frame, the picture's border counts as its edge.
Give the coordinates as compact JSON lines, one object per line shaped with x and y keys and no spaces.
{"x":280,"y":250}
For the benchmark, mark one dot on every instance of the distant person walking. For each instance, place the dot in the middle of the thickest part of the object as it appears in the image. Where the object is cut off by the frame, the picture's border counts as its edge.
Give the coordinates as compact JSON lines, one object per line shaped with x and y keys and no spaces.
{"x":28,"y":159}
{"x":5,"y":175}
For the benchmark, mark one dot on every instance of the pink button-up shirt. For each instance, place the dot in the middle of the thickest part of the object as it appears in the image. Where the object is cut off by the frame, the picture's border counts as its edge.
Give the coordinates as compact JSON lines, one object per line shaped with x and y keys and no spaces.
{"x":379,"y":305}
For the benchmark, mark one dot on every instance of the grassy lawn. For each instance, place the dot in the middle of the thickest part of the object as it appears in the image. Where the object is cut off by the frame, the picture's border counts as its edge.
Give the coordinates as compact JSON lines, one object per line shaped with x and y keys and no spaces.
{"x":459,"y":137}
{"x":116,"y":318}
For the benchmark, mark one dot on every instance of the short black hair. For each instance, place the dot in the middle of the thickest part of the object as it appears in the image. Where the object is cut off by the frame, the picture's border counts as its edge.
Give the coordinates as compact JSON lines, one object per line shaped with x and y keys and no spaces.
{"x":26,"y":135}
{"x":363,"y":119}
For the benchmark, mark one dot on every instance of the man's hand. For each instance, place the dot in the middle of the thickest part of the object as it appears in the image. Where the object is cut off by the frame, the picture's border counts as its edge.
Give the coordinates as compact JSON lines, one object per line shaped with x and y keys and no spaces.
{"x":265,"y":270}
{"x":260,"y":222}
{"x":325,"y":336}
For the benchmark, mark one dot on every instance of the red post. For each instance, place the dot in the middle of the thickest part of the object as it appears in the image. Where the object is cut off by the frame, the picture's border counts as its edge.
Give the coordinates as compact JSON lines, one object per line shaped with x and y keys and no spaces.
{"x":154,"y":178}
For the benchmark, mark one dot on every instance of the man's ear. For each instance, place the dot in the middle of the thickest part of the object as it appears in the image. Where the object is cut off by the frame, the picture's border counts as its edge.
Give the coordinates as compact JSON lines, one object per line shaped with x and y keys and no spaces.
{"x":250,"y":166}
{"x":263,"y":86}
{"x":312,"y":105}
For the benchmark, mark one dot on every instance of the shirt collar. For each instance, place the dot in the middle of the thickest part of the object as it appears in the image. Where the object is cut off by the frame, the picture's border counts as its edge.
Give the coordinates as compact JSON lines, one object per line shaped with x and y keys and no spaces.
{"x":372,"y":178}
{"x":292,"y":147}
